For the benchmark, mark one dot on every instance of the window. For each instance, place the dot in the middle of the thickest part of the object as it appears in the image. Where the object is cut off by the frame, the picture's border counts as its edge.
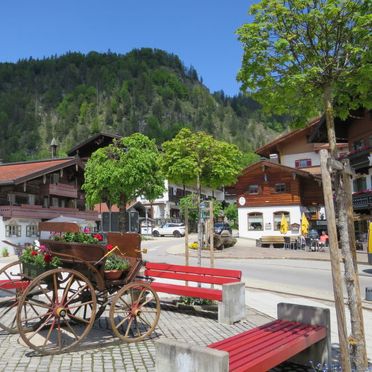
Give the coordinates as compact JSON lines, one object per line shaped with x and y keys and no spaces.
{"x":359,"y":144}
{"x":280,"y":187}
{"x":253,"y":189}
{"x":255,"y":221}
{"x":54,"y":178}
{"x":31,"y":230}
{"x":360,"y":184}
{"x":13,"y":230}
{"x":303,"y":163}
{"x":278,"y":219}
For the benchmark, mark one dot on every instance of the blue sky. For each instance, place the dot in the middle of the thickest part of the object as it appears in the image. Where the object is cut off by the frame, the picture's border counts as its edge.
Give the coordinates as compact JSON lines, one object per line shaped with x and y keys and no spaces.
{"x":200,"y":32}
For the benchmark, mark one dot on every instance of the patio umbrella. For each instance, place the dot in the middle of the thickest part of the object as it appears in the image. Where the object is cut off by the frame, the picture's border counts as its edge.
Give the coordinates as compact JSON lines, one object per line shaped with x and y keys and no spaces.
{"x":283,"y":225}
{"x":304,"y":224}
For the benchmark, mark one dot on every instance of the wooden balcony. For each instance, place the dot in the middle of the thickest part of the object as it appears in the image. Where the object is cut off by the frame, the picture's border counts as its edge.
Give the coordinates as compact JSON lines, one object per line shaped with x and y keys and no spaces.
{"x":60,"y":189}
{"x":38,"y":212}
{"x":359,"y":159}
{"x":362,"y":201}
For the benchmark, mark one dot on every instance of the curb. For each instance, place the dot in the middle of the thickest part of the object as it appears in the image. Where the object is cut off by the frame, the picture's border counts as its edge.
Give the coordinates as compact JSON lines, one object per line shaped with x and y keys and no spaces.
{"x":265,"y":258}
{"x":365,"y":304}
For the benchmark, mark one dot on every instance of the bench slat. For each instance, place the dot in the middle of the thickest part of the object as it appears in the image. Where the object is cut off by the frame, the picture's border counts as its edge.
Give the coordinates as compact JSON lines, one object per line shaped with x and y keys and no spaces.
{"x":269,"y":342}
{"x":285,"y":351}
{"x":13,"y":284}
{"x":194,"y":270}
{"x":207,"y":293}
{"x":190,"y":277}
{"x":252,"y":335}
{"x":265,"y":347}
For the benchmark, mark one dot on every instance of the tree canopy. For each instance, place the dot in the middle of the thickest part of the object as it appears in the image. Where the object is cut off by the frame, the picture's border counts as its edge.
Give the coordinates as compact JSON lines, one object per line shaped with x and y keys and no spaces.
{"x":294,"y":50}
{"x":197,"y":158}
{"x":124,"y":170}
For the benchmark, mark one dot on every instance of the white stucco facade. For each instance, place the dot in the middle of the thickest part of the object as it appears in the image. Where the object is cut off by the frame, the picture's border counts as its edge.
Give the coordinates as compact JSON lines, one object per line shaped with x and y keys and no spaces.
{"x":268,"y":220}
{"x":161,"y":207}
{"x":18,"y":235}
{"x":290,"y":159}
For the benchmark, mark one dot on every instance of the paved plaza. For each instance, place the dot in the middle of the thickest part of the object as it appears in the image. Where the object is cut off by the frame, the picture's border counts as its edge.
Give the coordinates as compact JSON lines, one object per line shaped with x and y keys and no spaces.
{"x":102,"y":352}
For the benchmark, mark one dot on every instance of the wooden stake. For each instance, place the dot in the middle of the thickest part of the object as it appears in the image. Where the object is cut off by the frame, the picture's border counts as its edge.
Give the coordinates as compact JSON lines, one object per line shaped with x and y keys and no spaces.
{"x":186,"y":237}
{"x":335,"y":263}
{"x":211,"y":232}
{"x":348,"y":246}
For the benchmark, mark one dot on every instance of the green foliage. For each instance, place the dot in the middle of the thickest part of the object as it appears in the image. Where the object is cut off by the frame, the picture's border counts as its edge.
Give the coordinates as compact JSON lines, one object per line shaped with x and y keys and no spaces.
{"x":4,"y":252}
{"x":294,"y":50}
{"x":124,"y":170}
{"x":147,"y":90}
{"x":190,"y":202}
{"x":114,"y":262}
{"x":231,"y":212}
{"x":192,"y":157}
{"x":40,"y":257}
{"x":79,"y":237}
{"x":195,"y":301}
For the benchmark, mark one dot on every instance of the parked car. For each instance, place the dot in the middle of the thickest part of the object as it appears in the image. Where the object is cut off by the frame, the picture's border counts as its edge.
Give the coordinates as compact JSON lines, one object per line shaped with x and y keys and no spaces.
{"x":221,"y":226}
{"x":170,"y":228}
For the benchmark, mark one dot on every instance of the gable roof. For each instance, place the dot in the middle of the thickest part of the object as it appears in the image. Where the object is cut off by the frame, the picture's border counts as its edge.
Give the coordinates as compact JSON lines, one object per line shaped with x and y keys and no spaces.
{"x":270,"y":147}
{"x":283,"y":168}
{"x":91,"y":144}
{"x":16,"y":173}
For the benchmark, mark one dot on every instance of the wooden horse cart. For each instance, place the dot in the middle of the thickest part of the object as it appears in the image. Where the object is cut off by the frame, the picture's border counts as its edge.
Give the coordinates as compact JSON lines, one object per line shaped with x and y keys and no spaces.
{"x":54,"y":311}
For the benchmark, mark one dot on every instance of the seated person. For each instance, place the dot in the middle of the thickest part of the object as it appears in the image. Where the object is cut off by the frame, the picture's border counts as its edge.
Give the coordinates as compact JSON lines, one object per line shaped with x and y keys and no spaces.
{"x":323,"y":239}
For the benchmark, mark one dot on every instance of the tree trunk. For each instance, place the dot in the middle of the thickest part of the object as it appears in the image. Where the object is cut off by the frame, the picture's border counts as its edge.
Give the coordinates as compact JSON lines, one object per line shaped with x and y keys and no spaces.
{"x":357,"y":339}
{"x":200,"y":225}
{"x":122,"y":213}
{"x":335,"y":263}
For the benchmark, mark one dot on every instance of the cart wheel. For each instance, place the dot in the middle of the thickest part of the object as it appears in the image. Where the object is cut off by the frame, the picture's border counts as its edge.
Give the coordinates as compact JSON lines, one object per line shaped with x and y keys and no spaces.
{"x":62,"y":299}
{"x":11,"y":288}
{"x":134,"y":312}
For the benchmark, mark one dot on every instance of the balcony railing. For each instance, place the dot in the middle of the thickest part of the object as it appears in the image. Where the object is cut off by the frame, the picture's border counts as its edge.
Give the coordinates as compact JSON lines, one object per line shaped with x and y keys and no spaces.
{"x":38,"y":212}
{"x":362,"y":201}
{"x":359,"y":159}
{"x":61,"y":189}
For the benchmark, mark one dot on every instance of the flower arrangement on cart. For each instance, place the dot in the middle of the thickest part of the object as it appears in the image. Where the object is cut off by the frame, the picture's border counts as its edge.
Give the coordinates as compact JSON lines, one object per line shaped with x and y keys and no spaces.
{"x":69,"y":290}
{"x":37,"y":259}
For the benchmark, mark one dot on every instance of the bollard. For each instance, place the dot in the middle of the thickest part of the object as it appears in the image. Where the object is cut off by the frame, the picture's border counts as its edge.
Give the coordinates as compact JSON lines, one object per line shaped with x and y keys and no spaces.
{"x":368,"y":293}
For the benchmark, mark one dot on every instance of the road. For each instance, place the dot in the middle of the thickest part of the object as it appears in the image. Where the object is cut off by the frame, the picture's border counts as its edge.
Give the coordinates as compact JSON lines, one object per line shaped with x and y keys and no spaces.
{"x":302,"y":277}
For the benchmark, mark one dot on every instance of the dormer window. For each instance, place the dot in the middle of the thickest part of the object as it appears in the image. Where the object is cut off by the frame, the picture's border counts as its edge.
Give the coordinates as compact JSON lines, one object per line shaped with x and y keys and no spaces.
{"x":303,"y":163}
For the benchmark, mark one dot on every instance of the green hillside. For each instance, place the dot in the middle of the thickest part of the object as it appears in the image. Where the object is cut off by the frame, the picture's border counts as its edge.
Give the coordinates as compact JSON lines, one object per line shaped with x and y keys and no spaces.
{"x":75,"y":95}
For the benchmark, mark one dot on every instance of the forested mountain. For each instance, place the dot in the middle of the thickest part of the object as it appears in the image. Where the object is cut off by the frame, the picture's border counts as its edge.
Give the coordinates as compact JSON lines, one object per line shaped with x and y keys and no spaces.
{"x":75,"y":95}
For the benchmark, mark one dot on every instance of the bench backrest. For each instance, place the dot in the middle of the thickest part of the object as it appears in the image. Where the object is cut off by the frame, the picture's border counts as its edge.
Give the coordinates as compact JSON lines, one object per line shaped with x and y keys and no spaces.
{"x":192,"y":273}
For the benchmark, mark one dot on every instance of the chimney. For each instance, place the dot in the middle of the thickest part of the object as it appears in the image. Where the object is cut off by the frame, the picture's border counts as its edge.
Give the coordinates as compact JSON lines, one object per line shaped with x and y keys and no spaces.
{"x":53,"y":147}
{"x":274,"y":158}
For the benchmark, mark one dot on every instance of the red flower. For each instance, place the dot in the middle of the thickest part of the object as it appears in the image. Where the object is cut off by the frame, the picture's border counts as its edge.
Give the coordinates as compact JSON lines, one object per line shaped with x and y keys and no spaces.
{"x":33,"y":253}
{"x":99,"y":237}
{"x":47,"y":258}
{"x":109,"y":247}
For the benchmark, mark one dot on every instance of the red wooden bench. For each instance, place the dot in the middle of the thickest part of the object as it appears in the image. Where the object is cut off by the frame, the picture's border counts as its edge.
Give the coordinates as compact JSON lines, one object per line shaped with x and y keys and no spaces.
{"x":301,"y":334}
{"x":13,"y":284}
{"x":265,"y":347}
{"x":232,"y":288}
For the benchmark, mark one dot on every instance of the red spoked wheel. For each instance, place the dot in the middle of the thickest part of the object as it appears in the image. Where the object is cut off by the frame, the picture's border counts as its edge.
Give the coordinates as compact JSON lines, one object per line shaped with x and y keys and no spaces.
{"x":59,"y":315}
{"x":12,"y":286}
{"x":135,"y":312}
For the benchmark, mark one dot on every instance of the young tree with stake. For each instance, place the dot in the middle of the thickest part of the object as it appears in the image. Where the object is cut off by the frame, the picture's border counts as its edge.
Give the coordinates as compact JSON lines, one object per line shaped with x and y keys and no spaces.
{"x":305,"y":57}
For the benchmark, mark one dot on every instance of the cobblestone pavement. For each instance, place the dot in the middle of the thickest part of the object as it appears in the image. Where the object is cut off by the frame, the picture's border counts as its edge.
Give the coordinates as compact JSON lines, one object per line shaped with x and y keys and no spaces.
{"x":102,"y":352}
